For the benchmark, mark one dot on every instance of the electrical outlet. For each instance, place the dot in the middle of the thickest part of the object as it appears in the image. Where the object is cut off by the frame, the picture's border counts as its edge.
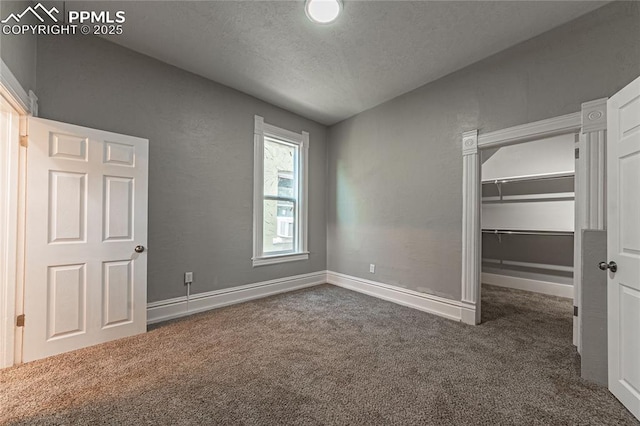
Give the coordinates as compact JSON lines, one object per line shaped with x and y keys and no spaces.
{"x":372,"y":268}
{"x":188,"y":277}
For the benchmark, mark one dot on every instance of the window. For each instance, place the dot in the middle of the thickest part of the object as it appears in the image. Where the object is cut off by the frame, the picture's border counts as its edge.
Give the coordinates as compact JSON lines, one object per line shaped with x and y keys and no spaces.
{"x":279,"y":194}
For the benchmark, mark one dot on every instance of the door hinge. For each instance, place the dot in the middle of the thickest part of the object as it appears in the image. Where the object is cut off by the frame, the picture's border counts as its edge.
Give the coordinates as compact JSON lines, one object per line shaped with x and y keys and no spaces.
{"x":20,"y":321}
{"x":577,"y":153}
{"x":575,"y":311}
{"x":24,"y":141}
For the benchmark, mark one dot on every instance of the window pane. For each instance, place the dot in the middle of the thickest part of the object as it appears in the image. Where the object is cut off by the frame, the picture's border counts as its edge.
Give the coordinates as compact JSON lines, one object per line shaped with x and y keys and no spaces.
{"x":285,"y":185}
{"x":281,"y":194}
{"x":278,"y":230}
{"x":279,"y":168}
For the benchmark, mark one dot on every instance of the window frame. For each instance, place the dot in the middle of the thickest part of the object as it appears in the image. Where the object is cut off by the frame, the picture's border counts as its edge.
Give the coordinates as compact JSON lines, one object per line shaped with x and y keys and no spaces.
{"x":301,"y":140}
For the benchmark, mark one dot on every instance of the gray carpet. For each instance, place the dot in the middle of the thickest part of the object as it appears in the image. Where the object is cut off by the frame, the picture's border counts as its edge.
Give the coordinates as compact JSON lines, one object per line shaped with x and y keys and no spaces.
{"x":324,"y":355}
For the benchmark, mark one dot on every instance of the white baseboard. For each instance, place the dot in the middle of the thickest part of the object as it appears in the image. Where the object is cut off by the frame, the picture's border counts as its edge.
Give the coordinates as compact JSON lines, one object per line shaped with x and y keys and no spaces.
{"x":536,"y":286}
{"x":179,"y":307}
{"x":440,"y":306}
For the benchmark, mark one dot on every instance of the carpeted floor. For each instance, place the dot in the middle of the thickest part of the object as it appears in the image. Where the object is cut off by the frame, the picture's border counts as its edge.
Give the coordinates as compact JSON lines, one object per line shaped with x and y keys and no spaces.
{"x":322,"y":356}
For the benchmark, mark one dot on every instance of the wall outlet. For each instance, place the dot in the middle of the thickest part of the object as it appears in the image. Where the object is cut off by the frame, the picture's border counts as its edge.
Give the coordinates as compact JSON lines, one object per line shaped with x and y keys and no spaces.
{"x":188,"y":277}
{"x":372,"y":268}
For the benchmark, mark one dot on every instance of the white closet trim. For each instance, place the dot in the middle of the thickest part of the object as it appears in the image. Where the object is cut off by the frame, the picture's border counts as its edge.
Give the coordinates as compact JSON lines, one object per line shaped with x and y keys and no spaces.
{"x":471,"y":228}
{"x":570,"y":123}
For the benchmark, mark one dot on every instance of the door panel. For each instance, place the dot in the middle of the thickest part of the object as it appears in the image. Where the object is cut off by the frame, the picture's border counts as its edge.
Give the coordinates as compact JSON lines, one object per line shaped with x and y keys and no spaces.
{"x":68,"y":146}
{"x":66,"y":305}
{"x":623,"y":244}
{"x":67,"y":207}
{"x":629,"y":300}
{"x":118,"y":208}
{"x":86,"y":212}
{"x":117,"y":297}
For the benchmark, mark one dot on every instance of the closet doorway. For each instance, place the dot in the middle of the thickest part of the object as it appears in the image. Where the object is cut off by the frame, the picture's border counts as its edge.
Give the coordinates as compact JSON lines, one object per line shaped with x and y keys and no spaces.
{"x":531,"y":187}
{"x":528,"y":219}
{"x":528,"y":215}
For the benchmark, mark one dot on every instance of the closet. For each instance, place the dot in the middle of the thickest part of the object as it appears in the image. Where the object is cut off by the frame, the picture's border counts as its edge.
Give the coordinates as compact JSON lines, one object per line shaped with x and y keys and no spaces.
{"x":528,"y":215}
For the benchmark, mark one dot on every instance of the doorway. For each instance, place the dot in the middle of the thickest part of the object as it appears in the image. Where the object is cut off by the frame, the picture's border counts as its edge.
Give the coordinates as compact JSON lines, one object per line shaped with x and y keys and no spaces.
{"x":516,"y":175}
{"x":528,"y":222}
{"x":73,"y":282}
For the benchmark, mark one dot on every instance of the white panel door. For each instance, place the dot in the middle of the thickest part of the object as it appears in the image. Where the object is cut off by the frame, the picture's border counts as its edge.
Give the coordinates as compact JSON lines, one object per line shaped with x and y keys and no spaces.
{"x":85,"y":281}
{"x":623,"y":244}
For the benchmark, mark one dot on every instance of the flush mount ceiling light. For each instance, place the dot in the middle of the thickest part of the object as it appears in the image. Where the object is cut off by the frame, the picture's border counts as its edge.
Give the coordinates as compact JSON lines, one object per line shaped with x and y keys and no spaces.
{"x":323,"y":11}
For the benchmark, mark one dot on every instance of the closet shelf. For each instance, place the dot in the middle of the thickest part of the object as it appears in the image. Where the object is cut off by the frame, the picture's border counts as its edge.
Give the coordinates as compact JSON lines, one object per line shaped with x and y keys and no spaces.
{"x":527,"y":232}
{"x":529,"y":178}
{"x":558,"y":196}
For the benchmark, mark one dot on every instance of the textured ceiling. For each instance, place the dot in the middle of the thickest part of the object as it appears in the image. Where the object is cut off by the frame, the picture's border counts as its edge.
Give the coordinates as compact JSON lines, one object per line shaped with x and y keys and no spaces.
{"x":375,"y":51}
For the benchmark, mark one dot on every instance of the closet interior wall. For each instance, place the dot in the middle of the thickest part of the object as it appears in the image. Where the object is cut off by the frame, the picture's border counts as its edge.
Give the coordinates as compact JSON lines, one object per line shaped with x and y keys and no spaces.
{"x":528,"y":213}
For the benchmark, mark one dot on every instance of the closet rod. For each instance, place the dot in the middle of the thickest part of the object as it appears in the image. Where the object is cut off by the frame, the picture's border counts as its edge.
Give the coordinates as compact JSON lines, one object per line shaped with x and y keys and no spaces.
{"x":531,"y":178}
{"x":523,"y":232}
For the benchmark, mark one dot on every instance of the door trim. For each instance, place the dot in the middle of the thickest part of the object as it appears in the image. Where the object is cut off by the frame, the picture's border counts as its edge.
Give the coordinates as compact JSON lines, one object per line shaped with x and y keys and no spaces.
{"x":11,"y":282}
{"x":587,"y":123}
{"x":26,"y":103}
{"x":555,"y":126}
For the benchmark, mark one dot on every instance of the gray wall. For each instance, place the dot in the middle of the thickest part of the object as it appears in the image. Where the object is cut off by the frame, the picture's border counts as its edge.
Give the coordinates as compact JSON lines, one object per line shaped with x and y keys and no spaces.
{"x":201,"y":158}
{"x":555,"y":250}
{"x":593,"y":308}
{"x":395,"y":171}
{"x":19,"y":51}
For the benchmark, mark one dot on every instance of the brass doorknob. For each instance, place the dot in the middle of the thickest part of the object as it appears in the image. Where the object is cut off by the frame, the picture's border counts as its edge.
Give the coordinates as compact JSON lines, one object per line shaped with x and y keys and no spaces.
{"x":139,"y":249}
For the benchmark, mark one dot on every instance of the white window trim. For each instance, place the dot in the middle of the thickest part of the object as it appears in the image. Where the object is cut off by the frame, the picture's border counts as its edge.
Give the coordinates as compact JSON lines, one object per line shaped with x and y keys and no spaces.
{"x":302,"y":140}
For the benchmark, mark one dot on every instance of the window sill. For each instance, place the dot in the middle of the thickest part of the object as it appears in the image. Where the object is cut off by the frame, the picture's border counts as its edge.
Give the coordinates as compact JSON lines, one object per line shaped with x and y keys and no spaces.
{"x":280,"y":258}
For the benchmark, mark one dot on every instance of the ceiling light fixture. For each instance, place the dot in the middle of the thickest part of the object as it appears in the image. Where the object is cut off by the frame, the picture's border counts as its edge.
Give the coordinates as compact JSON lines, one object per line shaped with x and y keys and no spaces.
{"x":323,"y":11}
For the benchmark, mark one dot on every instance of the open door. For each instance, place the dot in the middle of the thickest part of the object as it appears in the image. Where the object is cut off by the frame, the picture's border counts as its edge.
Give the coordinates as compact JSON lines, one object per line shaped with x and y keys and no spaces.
{"x":623,"y":245}
{"x":86,"y":229}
